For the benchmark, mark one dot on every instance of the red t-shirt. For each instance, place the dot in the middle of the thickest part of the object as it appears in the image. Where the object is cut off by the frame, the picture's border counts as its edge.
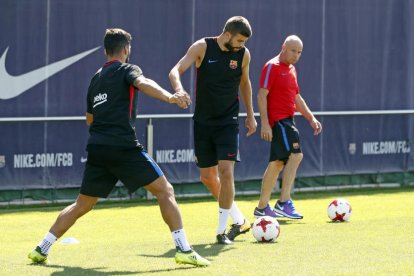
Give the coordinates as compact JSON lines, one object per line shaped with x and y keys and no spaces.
{"x":280,"y":79}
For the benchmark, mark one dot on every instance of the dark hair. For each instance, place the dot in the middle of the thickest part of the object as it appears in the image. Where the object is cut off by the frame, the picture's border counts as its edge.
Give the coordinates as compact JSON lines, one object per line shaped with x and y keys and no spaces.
{"x":115,"y":40}
{"x":238,"y":25}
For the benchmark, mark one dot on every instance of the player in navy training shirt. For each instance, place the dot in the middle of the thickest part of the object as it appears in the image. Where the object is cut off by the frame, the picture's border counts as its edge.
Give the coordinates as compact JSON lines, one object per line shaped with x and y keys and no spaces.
{"x":114,"y":152}
{"x":222,"y":70}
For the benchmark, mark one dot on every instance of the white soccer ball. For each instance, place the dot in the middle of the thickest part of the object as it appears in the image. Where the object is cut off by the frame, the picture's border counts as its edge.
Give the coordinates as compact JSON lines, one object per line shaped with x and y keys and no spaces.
{"x":266,"y":229}
{"x":339,"y":210}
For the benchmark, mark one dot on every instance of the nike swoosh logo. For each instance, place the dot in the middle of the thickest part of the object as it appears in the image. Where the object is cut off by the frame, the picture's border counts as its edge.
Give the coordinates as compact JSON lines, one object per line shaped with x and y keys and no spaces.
{"x":231,"y":154}
{"x":83,"y":160}
{"x":260,"y":213}
{"x":13,"y":86}
{"x":212,"y":61}
{"x":280,"y":207}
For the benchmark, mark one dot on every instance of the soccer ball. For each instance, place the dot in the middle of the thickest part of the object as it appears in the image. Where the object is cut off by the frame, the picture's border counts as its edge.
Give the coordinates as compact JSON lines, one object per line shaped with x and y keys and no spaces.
{"x":266,"y":229}
{"x":339,"y":210}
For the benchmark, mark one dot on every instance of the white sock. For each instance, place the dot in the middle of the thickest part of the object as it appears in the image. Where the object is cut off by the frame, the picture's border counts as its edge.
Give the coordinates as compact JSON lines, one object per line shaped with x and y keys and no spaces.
{"x":47,"y":242}
{"x":180,"y":240}
{"x":223,"y":217}
{"x":236,"y":215}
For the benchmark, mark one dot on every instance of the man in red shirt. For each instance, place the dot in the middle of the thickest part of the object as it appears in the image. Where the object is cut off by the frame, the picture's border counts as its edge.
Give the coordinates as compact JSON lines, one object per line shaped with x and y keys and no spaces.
{"x":278,"y":99}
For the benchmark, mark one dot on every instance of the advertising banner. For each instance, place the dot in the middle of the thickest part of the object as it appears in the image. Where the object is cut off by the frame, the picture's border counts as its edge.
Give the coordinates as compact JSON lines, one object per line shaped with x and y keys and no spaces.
{"x":357,"y":56}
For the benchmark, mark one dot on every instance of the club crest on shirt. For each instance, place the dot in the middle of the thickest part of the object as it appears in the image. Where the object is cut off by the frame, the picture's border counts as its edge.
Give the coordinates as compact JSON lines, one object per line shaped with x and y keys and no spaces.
{"x":233,"y":64}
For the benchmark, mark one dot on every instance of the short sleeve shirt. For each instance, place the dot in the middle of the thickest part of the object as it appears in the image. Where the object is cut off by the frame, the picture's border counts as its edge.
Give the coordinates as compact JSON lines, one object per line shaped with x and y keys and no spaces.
{"x":281,"y":82}
{"x":112,"y":101}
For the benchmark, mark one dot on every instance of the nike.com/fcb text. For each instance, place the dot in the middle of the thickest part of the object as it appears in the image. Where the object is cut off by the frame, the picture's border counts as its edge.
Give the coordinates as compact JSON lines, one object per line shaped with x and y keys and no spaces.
{"x":42,"y":160}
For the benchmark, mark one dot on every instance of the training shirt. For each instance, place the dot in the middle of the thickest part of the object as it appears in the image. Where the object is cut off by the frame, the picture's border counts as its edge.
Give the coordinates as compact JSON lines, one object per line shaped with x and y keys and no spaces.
{"x":112,"y":100}
{"x":217,"y":87}
{"x":281,"y":81}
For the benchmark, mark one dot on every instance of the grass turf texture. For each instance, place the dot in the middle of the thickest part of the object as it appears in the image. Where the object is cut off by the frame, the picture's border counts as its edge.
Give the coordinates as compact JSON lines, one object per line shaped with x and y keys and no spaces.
{"x":131,"y":239}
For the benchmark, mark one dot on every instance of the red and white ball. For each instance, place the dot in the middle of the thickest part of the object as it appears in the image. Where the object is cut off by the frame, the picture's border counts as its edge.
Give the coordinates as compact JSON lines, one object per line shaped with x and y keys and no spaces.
{"x":266,"y":229}
{"x":339,"y":210}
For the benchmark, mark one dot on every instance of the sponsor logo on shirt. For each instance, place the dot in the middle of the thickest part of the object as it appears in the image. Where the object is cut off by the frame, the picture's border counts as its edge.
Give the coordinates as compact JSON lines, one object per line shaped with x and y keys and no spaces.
{"x":99,"y":99}
{"x":233,"y":64}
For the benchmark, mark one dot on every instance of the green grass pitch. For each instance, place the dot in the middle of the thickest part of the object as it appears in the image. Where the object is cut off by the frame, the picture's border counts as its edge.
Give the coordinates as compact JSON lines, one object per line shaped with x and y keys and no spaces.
{"x":131,"y":239}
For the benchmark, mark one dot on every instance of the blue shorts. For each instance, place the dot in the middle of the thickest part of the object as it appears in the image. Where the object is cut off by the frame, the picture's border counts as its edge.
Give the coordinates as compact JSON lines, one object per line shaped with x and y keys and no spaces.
{"x":106,"y":165}
{"x":285,"y":140}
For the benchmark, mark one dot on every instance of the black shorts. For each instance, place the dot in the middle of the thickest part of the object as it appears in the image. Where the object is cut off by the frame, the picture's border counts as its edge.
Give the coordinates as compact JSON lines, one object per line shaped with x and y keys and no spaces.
{"x":106,"y":165}
{"x":213,"y":143}
{"x":285,"y":140}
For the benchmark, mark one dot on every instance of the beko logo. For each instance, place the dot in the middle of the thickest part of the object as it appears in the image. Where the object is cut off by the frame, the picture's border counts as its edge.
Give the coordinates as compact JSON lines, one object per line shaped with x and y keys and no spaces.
{"x":13,"y":86}
{"x":100,"y":99}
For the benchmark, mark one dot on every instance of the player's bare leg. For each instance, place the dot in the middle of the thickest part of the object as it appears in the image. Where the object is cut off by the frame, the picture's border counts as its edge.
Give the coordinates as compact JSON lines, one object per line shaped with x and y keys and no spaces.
{"x":71,"y":213}
{"x":289,"y":175}
{"x":225,"y":198}
{"x":269,"y":180}
{"x":64,"y":221}
{"x":209,"y":177}
{"x":285,"y":205}
{"x":164,"y":192}
{"x":226,"y":175}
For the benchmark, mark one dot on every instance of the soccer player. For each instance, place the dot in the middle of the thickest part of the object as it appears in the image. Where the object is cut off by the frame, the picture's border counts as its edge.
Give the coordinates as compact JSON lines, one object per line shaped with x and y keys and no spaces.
{"x":114,"y":152}
{"x":222,"y":64}
{"x":278,"y":98}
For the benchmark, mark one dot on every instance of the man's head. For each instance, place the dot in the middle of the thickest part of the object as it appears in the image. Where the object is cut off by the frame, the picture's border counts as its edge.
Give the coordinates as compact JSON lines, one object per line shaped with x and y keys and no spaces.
{"x":291,"y":50}
{"x":117,"y":42}
{"x":237,"y":30}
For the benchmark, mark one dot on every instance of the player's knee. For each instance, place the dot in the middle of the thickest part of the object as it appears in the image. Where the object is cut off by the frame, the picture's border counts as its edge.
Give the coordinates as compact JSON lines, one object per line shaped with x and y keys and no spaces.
{"x":166,"y":190}
{"x":169,"y":189}
{"x":83,"y":208}
{"x":226,"y":173}
{"x":209,"y":180}
{"x":296,"y":157}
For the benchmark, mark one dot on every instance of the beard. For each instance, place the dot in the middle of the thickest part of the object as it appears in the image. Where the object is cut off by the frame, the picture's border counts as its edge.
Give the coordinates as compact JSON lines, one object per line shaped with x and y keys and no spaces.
{"x":230,"y":47}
